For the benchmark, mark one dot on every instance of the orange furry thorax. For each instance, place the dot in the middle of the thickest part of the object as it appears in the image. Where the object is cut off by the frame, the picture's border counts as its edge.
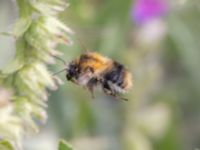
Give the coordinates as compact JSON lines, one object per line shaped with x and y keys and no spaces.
{"x":94,"y":60}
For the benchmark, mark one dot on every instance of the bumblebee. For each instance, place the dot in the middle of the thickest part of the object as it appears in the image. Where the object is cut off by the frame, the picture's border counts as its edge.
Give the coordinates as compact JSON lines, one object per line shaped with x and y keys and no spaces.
{"x":91,"y":69}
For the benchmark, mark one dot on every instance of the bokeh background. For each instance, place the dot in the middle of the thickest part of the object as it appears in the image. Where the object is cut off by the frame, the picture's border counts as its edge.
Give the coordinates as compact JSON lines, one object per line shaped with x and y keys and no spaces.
{"x":159,"y":42}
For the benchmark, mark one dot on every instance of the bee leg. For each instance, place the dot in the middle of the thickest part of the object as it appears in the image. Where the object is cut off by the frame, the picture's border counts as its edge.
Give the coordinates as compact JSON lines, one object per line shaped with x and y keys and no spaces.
{"x":91,"y":90}
{"x":121,"y":98}
{"x":111,"y":93}
{"x":108,"y":90}
{"x":90,"y":86}
{"x":114,"y":94}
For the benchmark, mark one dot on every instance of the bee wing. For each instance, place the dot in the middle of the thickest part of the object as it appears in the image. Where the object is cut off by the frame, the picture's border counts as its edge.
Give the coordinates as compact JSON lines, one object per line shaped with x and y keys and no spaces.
{"x":85,"y":77}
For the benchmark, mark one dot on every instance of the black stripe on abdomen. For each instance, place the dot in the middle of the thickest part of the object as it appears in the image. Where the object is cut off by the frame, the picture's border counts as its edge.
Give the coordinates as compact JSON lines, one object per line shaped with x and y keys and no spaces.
{"x":116,"y":74}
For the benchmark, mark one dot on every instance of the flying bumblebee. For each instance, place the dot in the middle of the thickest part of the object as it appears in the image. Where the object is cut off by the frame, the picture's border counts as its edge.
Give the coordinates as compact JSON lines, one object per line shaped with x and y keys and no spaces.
{"x":91,"y":69}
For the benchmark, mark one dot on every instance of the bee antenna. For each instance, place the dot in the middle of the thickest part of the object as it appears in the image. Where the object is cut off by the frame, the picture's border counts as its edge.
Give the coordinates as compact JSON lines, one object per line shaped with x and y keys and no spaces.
{"x":62,"y":60}
{"x":59,"y":72}
{"x":82,"y":45}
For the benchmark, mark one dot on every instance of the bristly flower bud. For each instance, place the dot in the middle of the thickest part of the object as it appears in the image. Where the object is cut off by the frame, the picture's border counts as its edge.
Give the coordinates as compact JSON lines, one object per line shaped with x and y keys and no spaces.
{"x":37,"y":32}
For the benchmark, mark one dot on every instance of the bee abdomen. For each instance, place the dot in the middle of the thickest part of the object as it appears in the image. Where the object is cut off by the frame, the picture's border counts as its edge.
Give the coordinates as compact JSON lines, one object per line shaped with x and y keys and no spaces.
{"x":116,"y":78}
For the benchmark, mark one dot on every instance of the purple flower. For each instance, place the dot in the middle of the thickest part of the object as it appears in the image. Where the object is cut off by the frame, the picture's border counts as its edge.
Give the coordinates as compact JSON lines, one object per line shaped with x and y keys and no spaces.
{"x":147,"y":10}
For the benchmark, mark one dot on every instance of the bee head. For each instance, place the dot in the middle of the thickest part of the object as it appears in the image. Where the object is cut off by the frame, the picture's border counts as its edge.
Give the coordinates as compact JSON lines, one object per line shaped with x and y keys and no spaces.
{"x":72,"y":72}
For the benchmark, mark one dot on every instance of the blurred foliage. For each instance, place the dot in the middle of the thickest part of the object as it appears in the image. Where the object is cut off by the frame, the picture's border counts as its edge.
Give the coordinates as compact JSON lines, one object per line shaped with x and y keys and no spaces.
{"x":64,"y":146}
{"x":5,"y":145}
{"x":159,"y":78}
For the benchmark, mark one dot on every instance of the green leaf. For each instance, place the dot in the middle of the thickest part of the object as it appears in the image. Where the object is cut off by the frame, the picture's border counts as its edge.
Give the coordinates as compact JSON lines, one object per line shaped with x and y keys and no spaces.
{"x":6,"y":145}
{"x":63,"y":145}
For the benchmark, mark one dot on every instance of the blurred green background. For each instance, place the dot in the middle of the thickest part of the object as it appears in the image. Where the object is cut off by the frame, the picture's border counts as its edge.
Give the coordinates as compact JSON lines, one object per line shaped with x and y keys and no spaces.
{"x":163,"y":111}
